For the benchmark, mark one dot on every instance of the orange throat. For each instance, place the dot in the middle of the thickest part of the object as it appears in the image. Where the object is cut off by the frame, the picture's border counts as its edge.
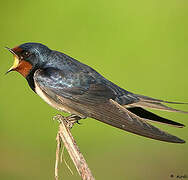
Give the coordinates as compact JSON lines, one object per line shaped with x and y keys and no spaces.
{"x":24,"y":68}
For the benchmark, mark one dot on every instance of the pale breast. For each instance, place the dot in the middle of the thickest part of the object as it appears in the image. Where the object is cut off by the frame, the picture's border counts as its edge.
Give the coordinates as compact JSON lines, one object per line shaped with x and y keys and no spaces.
{"x":59,"y":106}
{"x":49,"y":100}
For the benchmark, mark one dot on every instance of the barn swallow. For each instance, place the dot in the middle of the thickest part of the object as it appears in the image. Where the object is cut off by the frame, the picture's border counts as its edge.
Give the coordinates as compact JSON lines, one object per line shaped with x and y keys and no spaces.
{"x":73,"y":87}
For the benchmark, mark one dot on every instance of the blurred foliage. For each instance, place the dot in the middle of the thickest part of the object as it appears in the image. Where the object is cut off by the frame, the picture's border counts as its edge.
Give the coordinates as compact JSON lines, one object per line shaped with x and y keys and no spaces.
{"x":140,"y":45}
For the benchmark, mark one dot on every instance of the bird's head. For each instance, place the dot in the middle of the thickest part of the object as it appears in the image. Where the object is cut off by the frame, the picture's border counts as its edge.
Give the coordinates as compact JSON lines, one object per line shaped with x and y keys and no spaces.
{"x":28,"y":57}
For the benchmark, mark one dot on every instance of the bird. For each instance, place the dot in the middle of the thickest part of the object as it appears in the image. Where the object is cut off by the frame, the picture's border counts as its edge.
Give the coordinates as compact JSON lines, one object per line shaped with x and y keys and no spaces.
{"x":70,"y":86}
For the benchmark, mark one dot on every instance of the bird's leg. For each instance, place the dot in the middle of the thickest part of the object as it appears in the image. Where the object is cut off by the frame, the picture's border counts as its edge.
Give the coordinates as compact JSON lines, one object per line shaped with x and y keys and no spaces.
{"x":70,"y":120}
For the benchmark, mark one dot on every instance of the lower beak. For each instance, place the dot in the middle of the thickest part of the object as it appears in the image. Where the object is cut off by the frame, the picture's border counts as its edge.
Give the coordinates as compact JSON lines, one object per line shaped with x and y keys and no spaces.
{"x":9,"y":71}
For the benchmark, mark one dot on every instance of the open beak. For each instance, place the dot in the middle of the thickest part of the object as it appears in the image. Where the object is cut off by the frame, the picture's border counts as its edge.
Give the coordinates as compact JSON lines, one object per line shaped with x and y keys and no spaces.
{"x":16,"y":61}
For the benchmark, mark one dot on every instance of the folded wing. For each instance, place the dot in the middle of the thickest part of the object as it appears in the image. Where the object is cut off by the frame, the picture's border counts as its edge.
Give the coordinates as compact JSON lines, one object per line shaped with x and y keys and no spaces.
{"x":93,"y":99}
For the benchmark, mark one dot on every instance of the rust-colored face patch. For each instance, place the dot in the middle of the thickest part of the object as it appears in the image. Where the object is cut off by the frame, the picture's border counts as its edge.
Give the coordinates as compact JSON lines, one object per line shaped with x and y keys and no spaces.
{"x":23,"y":68}
{"x":17,"y":49}
{"x":19,"y":65}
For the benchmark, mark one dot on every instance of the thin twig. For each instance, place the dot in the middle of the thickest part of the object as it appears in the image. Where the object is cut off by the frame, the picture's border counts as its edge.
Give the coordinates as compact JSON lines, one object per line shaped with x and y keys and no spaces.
{"x":62,"y":158}
{"x":66,"y":137}
{"x":57,"y":155}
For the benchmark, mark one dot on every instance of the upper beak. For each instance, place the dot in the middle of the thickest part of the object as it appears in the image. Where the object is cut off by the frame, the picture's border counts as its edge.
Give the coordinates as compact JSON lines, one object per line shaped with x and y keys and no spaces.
{"x":9,"y":49}
{"x":16,"y":60}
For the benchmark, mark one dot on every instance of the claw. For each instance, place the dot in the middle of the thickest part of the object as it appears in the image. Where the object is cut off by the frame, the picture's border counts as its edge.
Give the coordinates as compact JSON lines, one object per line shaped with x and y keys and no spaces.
{"x":70,"y":120}
{"x":78,"y":122}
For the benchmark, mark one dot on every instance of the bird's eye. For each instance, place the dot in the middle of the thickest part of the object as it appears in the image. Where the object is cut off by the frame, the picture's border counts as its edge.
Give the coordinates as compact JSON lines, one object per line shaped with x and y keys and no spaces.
{"x":25,"y":54}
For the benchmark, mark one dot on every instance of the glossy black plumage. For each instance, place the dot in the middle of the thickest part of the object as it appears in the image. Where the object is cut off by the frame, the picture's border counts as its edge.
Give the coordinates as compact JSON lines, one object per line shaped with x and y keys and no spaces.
{"x":71,"y":86}
{"x":153,"y":117}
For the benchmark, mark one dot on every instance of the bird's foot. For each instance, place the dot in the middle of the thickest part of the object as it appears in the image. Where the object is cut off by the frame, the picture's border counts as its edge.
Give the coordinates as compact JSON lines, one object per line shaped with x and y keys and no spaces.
{"x":73,"y":119}
{"x":70,"y":120}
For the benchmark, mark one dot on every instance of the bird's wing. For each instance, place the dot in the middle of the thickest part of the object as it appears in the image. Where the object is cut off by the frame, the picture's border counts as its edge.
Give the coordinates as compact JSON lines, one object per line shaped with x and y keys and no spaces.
{"x":96,"y":101}
{"x":75,"y":86}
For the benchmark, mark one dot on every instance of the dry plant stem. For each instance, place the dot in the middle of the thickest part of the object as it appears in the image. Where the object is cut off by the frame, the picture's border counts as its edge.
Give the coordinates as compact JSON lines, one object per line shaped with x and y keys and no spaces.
{"x":57,"y":155}
{"x":66,"y":137}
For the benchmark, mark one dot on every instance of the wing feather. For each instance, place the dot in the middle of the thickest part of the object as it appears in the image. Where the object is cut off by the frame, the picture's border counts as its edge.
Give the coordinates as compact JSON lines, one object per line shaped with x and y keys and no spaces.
{"x":95,"y":100}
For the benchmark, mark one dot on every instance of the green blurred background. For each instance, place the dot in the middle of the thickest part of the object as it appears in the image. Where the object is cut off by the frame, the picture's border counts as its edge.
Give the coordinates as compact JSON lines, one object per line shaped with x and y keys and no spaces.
{"x":140,"y":45}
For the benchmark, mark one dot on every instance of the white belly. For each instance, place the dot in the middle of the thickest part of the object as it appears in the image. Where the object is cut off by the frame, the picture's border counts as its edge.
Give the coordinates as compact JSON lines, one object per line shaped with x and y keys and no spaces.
{"x":59,"y":106}
{"x":49,"y":100}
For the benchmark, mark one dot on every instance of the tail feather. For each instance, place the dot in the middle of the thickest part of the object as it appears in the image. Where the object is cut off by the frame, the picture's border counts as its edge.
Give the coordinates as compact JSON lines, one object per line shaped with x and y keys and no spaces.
{"x":150,"y":99}
{"x":149,"y":116}
{"x":152,"y":103}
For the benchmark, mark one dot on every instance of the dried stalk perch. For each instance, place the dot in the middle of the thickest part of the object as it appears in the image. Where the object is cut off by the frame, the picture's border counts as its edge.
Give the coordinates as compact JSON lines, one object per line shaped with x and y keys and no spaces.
{"x":66,"y":137}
